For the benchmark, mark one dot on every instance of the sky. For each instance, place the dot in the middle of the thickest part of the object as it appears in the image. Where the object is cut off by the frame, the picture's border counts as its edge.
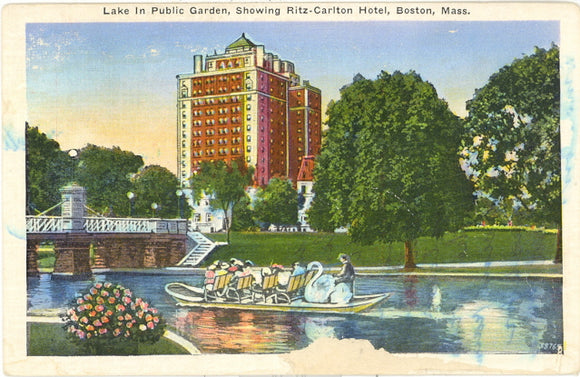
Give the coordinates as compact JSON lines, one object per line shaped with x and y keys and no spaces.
{"x":114,"y":84}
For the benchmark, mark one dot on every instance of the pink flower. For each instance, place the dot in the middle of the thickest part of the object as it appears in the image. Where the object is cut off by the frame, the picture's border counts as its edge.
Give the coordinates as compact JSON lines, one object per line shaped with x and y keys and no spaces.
{"x":93,"y":291}
{"x":127,"y":292}
{"x":117,"y":331}
{"x":105,"y":319}
{"x":127,"y":300}
{"x":155,"y":319}
{"x":88,"y":306}
{"x":99,"y":308}
{"x":128,"y":316}
{"x":120,"y":308}
{"x":80,"y":308}
{"x":84,"y":320}
{"x":100,"y":300}
{"x":90,"y":327}
{"x":81,"y":334}
{"x":88,"y":297}
{"x":151,"y":325}
{"x":102,"y":331}
{"x":104,"y":293}
{"x":148,"y":317}
{"x":92,"y":314}
{"x":109,"y":313}
{"x":98,"y":285}
{"x":97,"y":323}
{"x":153,"y":310}
{"x":111,"y":300}
{"x":120,"y":318}
{"x":129,"y":324}
{"x":80,"y":300}
{"x":108,"y":285}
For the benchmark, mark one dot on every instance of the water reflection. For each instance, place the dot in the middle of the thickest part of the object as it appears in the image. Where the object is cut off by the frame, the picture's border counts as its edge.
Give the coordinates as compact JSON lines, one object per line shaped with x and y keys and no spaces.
{"x":424,"y":314}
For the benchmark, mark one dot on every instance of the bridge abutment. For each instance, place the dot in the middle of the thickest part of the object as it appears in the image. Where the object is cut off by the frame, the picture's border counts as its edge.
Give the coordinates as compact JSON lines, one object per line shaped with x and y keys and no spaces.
{"x":73,"y":257}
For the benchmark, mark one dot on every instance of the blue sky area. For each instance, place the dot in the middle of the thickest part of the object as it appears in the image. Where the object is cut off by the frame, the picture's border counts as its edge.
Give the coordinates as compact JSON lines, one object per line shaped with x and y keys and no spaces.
{"x":114,"y":83}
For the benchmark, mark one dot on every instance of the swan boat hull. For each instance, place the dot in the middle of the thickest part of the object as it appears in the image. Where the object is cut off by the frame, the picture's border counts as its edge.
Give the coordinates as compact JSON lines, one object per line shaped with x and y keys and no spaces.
{"x":189,"y":296}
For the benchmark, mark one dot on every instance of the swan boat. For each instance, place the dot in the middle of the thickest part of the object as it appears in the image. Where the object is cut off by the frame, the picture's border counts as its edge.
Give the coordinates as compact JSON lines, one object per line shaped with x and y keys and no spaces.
{"x":299,"y":295}
{"x":189,"y":296}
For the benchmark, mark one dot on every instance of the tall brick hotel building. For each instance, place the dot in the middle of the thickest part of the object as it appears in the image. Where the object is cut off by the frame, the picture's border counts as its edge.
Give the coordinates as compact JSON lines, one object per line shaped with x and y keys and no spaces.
{"x":248,"y":105}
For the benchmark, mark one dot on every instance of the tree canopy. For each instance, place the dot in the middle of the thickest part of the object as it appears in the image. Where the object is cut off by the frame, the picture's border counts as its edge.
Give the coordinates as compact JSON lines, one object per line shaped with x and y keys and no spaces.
{"x":389,"y":167}
{"x":224,"y":184}
{"x":156,"y":184}
{"x":512,"y":139}
{"x":277,"y":203}
{"x":106,"y":175}
{"x":48,"y":168}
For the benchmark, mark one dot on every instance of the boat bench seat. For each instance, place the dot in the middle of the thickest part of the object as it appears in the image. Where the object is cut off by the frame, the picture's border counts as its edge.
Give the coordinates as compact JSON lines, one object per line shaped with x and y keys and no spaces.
{"x":240,"y":288}
{"x":267,"y":289}
{"x":295,"y":287}
{"x":219,"y":287}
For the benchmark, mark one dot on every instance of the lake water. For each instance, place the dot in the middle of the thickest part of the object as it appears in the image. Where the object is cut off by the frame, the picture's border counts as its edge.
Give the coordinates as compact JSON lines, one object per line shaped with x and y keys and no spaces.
{"x":424,"y":314}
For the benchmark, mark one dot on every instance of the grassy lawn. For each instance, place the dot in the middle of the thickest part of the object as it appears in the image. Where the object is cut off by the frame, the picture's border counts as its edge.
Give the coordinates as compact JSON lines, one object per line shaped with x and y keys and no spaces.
{"x":461,"y":247}
{"x":49,"y":339}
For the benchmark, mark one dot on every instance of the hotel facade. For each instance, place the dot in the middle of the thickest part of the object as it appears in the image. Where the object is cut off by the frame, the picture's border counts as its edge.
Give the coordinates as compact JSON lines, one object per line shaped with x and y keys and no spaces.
{"x":246,"y":105}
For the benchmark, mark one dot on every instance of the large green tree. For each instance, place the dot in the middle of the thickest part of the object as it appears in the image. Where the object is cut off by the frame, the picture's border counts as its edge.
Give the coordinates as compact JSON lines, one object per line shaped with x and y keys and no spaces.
{"x":512,"y":139}
{"x":156,"y":184}
{"x":225,"y":185}
{"x":48,"y":168}
{"x":389,"y":167}
{"x":106,"y":175}
{"x":277,"y":203}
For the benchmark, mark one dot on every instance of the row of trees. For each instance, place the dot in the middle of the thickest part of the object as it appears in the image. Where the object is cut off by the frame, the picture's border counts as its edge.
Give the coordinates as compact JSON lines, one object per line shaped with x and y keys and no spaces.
{"x":108,"y":175}
{"x":397,"y":164}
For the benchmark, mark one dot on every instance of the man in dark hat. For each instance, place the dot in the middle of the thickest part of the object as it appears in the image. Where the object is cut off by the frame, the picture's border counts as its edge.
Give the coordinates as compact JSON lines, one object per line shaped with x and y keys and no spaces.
{"x":346,"y":274}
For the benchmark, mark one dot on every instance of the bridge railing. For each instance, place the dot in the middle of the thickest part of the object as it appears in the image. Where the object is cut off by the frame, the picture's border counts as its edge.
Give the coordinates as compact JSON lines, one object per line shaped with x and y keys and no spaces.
{"x":44,"y":224}
{"x":52,"y":224}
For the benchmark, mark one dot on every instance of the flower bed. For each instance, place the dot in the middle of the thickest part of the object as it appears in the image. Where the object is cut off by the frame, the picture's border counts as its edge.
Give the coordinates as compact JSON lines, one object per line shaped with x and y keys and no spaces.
{"x":109,"y":316}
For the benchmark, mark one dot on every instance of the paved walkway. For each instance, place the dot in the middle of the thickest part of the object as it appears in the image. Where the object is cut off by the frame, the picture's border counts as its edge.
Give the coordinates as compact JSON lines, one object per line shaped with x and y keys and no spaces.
{"x":168,"y":334}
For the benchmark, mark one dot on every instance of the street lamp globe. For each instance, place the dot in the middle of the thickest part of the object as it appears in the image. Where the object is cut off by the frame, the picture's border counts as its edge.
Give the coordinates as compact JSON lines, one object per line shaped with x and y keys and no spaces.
{"x":130,"y":195}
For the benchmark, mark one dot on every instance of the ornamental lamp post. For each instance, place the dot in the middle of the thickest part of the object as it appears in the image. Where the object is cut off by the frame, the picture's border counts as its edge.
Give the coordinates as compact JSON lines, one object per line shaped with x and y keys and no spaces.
{"x":154,"y":207}
{"x":179,"y":194}
{"x":131,"y":197}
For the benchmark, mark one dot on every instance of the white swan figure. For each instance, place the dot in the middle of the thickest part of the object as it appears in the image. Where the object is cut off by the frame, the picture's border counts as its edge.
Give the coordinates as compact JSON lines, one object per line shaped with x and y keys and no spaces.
{"x":320,"y":286}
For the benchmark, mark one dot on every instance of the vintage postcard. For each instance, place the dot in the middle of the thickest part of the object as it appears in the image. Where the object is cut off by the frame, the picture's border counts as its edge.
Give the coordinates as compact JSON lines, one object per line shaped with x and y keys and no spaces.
{"x":290,"y":188}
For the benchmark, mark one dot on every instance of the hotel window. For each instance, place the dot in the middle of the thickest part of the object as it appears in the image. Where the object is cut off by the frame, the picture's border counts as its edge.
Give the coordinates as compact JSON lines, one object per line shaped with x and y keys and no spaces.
{"x":184,"y":91}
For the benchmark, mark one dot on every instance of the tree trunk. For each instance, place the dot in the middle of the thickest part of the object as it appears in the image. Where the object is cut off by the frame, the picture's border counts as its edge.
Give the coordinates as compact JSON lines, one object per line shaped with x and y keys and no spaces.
{"x":558,"y":258}
{"x":409,"y":257}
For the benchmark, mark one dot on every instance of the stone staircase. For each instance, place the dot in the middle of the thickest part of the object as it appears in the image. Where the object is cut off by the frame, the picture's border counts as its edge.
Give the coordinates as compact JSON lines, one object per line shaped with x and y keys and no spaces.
{"x":200,"y":247}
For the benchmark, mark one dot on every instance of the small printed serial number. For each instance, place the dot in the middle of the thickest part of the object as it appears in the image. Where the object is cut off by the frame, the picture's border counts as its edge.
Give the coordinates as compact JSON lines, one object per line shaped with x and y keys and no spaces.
{"x":552,"y":348}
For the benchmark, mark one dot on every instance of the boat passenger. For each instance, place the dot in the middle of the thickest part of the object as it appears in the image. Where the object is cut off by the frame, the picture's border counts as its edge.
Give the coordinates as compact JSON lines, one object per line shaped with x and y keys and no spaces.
{"x":210,"y":274}
{"x":344,"y":281}
{"x":297,"y":269}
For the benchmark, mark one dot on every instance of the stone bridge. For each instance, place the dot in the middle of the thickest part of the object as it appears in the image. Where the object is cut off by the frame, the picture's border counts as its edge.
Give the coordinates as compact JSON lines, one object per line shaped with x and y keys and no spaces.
{"x":82,"y":243}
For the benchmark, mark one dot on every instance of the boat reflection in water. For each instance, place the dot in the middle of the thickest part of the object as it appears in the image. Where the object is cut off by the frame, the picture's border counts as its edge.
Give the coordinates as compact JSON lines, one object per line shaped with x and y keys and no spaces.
{"x":424,"y":314}
{"x":235,"y":331}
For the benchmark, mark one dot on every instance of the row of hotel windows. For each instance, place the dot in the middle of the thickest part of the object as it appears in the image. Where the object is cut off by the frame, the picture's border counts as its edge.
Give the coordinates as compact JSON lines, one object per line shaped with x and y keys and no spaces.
{"x":212,"y":79}
{"x":221,"y":152}
{"x":211,"y":132}
{"x":198,"y":142}
{"x":213,"y":101}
